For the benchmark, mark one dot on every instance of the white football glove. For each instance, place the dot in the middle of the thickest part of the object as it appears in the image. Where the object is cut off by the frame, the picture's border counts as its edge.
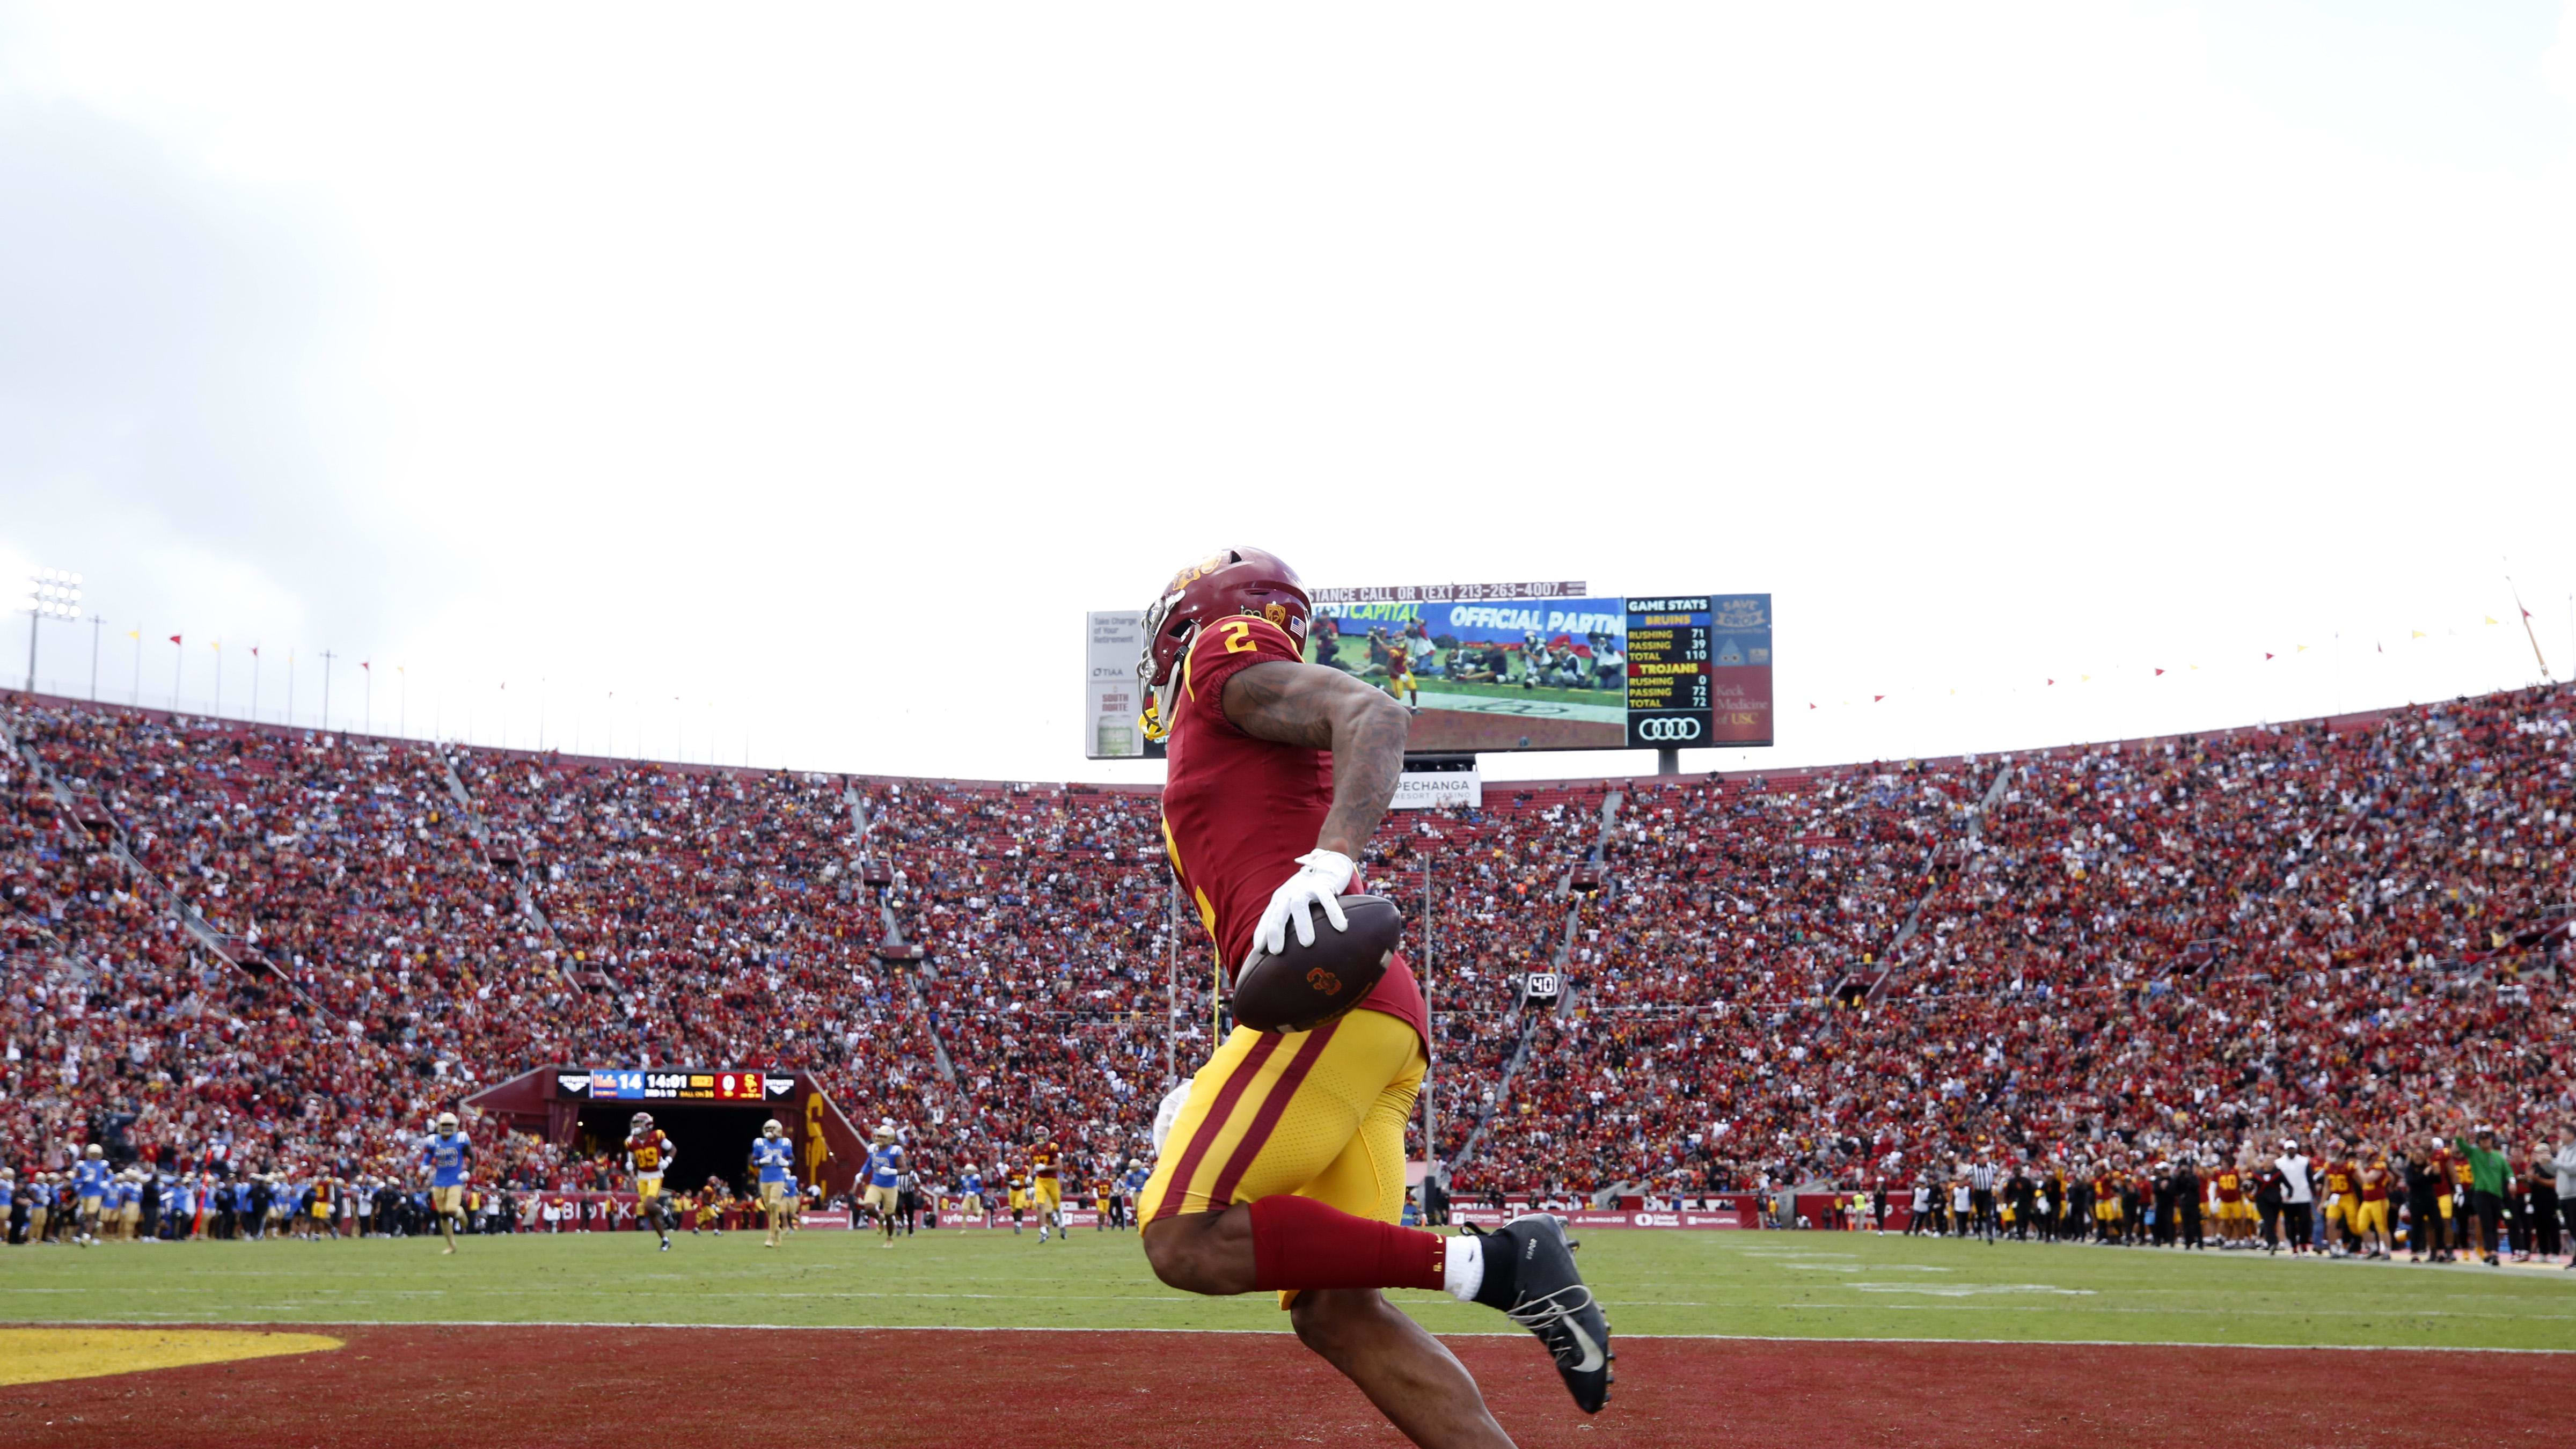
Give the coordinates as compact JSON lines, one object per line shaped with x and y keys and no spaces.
{"x":1321,"y":877}
{"x":1170,"y":1112}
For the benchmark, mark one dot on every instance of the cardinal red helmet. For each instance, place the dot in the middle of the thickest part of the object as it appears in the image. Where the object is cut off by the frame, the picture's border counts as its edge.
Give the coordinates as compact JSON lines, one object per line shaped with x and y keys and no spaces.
{"x":1230,"y":582}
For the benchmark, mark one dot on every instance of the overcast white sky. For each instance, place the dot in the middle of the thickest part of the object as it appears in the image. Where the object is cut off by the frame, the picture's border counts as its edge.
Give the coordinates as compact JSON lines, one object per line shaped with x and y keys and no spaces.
{"x":802,"y":376}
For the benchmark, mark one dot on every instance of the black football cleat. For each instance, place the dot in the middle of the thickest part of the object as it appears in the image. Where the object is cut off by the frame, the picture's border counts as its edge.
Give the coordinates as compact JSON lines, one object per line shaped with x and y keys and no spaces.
{"x":1530,"y":1276}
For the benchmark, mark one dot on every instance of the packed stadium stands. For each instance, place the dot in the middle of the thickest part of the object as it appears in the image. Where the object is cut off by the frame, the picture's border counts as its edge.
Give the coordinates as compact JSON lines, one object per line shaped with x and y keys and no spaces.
{"x":2159,"y":945}
{"x":277,"y":948}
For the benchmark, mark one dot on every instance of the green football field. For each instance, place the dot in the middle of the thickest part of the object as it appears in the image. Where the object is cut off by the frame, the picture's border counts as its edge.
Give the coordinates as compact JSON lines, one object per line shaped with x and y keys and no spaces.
{"x":1758,"y":1284}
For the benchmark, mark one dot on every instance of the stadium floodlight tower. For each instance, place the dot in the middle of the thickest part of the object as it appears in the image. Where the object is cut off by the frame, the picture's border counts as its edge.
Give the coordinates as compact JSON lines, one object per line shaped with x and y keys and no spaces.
{"x":51,"y":594}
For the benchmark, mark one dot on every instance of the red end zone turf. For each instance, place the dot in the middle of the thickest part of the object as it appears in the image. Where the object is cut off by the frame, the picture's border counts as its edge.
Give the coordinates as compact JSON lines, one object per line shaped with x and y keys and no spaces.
{"x":616,"y":1387}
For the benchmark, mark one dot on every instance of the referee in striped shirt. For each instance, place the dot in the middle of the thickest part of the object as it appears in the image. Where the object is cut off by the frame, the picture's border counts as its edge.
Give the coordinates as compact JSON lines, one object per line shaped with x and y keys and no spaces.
{"x":1981,"y":1195}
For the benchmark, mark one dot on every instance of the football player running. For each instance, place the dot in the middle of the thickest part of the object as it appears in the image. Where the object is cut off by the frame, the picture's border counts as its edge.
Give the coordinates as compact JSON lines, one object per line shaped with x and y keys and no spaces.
{"x":649,"y":1154}
{"x":885,"y":1179}
{"x":1046,"y":1190}
{"x":1131,"y":1189}
{"x":90,"y":1179}
{"x":1282,"y":1165}
{"x":447,"y":1157}
{"x":769,"y":1157}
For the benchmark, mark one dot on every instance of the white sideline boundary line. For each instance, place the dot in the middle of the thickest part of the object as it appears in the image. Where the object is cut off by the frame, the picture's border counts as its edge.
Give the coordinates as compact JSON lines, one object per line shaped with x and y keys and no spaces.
{"x":997,"y":1328}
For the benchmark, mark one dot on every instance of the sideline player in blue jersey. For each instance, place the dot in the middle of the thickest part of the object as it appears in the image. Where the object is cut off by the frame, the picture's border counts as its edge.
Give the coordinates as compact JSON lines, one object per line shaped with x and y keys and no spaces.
{"x":970,"y":1199}
{"x":1130,"y":1188}
{"x":447,"y":1157}
{"x":89,"y":1186}
{"x":885,"y":1179}
{"x":126,"y":1196}
{"x":770,"y":1155}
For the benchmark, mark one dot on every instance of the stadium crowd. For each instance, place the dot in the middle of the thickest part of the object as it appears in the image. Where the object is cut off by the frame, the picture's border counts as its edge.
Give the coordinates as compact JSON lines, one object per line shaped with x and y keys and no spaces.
{"x":2154,"y":951}
{"x":280,"y":952}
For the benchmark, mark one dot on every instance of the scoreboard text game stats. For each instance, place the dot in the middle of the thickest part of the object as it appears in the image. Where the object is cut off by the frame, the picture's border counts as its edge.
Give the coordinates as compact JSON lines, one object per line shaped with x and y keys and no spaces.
{"x":1699,"y":671}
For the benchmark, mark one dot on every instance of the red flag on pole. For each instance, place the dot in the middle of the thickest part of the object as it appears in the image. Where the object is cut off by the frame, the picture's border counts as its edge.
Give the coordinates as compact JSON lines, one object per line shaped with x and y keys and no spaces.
{"x":2159,"y":673}
{"x":174,"y":638}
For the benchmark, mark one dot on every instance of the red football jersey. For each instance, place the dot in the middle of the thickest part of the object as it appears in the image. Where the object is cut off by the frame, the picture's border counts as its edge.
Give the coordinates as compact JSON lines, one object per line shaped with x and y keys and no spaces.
{"x":1237,"y":811}
{"x":649,"y":1150}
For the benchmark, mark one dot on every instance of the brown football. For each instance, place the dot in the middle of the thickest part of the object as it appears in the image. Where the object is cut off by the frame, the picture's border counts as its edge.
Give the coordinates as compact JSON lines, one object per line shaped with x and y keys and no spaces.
{"x":1303,"y":987}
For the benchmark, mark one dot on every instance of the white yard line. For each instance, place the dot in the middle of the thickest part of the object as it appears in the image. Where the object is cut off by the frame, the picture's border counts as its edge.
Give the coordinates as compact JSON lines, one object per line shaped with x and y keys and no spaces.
{"x":1282,"y":1330}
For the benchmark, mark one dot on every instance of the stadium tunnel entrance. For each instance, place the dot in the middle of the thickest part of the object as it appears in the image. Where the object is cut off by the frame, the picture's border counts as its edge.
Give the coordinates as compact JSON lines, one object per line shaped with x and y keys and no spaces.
{"x":587,"y":1108}
{"x":709,"y":1141}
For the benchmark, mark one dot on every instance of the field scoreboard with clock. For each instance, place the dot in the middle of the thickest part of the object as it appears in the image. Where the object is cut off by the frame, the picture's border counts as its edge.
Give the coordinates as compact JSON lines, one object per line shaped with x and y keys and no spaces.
{"x":673,"y":1084}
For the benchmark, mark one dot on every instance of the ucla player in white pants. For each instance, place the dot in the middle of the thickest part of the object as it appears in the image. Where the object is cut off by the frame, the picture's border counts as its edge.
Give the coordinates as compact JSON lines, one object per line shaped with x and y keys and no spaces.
{"x":885,"y":1178}
{"x":771,"y":1155}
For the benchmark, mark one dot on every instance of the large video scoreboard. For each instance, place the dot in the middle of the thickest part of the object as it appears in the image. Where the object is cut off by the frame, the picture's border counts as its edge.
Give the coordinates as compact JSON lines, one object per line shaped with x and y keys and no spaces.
{"x":672,"y":1084}
{"x":1510,"y":667}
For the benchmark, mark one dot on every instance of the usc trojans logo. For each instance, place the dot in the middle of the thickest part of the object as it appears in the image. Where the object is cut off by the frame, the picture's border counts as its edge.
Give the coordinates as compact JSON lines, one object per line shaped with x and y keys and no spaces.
{"x":1195,"y":572}
{"x":1324,"y":981}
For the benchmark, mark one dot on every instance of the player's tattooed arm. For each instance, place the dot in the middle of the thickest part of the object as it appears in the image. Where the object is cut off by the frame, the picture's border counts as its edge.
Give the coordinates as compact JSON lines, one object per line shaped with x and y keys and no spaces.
{"x":1326,"y":709}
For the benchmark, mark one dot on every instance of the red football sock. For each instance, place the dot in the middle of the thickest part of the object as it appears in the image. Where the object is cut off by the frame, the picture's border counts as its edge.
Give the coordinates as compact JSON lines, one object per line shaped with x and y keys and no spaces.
{"x":1298,"y":1242}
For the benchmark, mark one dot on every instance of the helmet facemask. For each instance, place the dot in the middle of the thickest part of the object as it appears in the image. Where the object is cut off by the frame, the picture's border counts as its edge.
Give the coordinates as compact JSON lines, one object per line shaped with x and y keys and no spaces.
{"x":1161,"y":678}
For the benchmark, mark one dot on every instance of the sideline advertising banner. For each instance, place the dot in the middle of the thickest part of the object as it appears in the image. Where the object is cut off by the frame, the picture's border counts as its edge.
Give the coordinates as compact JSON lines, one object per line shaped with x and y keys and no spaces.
{"x":1736,"y":1211}
{"x":1430,"y":784}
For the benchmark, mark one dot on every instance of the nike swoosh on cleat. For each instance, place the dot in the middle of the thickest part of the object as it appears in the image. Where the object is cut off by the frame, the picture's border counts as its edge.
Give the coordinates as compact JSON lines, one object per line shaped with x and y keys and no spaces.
{"x":1592,"y":1360}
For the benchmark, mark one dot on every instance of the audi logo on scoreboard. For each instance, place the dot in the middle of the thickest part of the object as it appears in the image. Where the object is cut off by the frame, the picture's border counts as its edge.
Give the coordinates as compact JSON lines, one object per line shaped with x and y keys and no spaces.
{"x":1669,"y":729}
